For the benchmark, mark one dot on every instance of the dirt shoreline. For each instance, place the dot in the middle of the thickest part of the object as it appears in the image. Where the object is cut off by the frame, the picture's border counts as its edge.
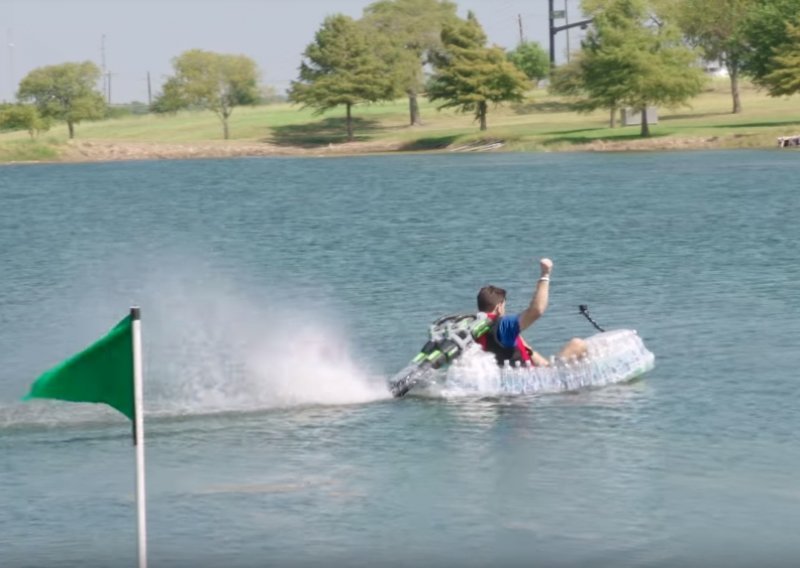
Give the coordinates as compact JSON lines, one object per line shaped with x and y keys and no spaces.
{"x":115,"y":150}
{"x":91,"y":151}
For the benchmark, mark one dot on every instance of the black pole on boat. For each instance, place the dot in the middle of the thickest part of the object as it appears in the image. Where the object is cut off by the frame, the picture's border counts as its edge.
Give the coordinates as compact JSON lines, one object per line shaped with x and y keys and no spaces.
{"x":585,"y":313}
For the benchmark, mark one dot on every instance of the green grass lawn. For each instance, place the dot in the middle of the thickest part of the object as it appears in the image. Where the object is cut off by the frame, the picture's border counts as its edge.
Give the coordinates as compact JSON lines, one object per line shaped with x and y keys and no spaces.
{"x":542,"y":122}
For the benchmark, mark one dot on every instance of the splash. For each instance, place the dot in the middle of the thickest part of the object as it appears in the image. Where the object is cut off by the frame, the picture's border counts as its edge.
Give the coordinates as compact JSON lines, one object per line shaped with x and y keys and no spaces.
{"x":222,"y":368}
{"x":212,"y":345}
{"x":219,"y":349}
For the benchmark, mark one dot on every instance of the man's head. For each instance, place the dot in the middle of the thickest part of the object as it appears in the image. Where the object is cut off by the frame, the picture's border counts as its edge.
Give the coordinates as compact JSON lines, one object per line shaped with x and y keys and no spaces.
{"x":492,"y":299}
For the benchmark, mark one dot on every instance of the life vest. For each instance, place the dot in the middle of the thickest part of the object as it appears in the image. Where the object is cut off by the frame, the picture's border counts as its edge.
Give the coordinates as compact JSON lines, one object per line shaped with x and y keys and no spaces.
{"x":491,"y":343}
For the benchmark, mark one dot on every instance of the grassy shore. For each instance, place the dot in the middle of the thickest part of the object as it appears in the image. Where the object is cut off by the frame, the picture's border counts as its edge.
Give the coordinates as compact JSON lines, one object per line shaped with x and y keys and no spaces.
{"x":543,"y":123}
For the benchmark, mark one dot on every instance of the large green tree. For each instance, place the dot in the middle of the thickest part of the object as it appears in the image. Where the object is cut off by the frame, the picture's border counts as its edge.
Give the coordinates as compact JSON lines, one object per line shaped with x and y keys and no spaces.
{"x":767,"y":31}
{"x":469,"y":75}
{"x":413,"y":30}
{"x":718,"y":29}
{"x":215,"y":81}
{"x":631,"y":59}
{"x":531,"y":59}
{"x":67,"y":92}
{"x":171,"y":99}
{"x":573,"y":79}
{"x":784,"y":79}
{"x":584,"y":69}
{"x":341,"y":67}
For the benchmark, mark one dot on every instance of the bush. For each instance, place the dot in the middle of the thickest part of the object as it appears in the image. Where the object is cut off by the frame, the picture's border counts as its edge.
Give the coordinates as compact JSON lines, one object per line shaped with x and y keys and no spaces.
{"x":23,"y":117}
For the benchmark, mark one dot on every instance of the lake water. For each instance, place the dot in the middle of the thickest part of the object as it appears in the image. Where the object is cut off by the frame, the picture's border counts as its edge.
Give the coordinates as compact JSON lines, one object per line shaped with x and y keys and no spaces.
{"x":278,"y":295}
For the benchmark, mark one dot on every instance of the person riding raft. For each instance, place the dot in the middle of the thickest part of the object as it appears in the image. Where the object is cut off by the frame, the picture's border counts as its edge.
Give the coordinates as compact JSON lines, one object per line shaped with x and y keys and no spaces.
{"x":504,"y":339}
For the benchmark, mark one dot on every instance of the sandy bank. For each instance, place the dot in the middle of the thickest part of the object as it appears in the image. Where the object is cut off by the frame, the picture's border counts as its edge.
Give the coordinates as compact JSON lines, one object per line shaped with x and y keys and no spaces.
{"x":113,"y":150}
{"x":102,"y":150}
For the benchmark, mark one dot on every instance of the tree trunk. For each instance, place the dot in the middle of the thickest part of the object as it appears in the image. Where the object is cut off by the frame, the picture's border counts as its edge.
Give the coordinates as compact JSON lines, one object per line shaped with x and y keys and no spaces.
{"x":349,"y":123}
{"x":645,"y":125}
{"x":413,"y":109}
{"x":733,"y":73}
{"x":223,"y":113}
{"x":613,"y":122}
{"x":482,"y":114}
{"x":71,"y":127}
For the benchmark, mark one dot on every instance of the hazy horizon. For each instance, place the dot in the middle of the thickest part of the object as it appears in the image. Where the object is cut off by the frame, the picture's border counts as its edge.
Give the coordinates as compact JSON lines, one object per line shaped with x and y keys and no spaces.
{"x":137,"y":37}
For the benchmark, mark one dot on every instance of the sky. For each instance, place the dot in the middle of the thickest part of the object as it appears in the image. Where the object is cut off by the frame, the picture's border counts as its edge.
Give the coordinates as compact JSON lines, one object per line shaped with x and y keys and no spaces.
{"x":131,"y":38}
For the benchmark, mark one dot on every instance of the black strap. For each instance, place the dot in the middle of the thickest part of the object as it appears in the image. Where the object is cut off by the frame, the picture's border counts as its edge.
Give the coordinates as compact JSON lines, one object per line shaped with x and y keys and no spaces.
{"x":584,"y":309}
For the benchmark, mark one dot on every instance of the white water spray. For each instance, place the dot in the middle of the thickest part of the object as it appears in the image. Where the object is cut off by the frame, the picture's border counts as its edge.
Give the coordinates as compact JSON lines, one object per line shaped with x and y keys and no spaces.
{"x":212,"y":345}
{"x":215,"y":349}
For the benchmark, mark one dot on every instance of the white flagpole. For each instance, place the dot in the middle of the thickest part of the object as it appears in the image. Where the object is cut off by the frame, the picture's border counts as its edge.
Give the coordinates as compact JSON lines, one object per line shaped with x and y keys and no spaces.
{"x":138,"y":434}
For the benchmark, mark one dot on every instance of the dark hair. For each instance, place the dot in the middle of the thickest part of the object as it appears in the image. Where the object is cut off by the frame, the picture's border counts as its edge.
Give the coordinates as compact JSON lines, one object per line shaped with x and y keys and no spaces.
{"x":489,"y":297}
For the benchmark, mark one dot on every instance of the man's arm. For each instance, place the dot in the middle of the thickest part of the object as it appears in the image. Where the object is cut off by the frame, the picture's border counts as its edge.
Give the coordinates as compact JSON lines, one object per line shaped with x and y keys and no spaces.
{"x":540,"y":296}
{"x":536,"y":357}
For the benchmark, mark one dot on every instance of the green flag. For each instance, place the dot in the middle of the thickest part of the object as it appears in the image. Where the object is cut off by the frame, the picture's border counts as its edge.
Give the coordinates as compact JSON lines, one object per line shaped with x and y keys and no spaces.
{"x":103,"y":372}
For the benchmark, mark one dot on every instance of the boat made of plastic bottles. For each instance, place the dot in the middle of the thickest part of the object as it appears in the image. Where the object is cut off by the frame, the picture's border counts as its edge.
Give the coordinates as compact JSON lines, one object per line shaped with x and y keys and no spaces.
{"x":451,"y":362}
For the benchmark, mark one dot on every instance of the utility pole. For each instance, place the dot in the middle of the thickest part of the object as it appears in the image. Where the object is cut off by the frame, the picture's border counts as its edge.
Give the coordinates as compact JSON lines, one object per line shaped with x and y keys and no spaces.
{"x":521,"y":34}
{"x":551,"y":17}
{"x":566,"y":21}
{"x":554,"y":29}
{"x":149,"y":92}
{"x":106,"y":73}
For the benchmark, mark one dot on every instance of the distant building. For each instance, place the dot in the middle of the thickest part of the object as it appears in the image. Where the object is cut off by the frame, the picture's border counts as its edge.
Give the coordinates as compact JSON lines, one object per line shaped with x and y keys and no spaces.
{"x":714,"y":68}
{"x":632,"y":117}
{"x":714,"y":71}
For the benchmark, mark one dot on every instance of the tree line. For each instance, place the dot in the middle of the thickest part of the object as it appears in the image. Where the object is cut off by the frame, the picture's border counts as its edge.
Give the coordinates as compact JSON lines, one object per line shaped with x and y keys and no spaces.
{"x":639,"y":53}
{"x":636,"y":53}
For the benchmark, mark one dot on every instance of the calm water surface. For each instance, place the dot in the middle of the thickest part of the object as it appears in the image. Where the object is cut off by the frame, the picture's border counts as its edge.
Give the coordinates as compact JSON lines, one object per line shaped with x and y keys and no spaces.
{"x":279,"y":294}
